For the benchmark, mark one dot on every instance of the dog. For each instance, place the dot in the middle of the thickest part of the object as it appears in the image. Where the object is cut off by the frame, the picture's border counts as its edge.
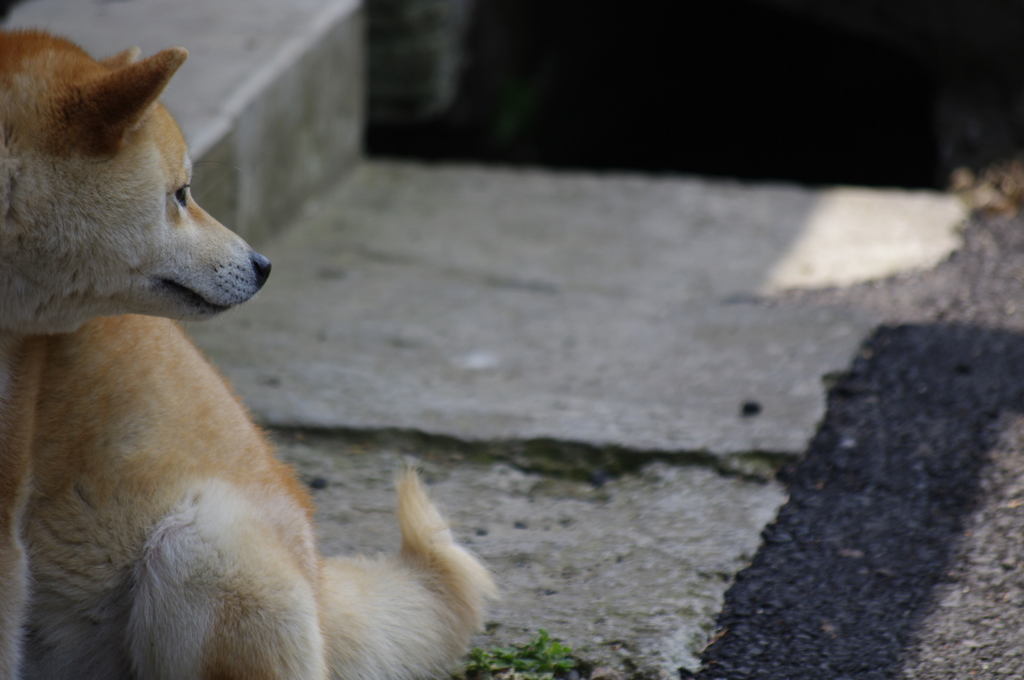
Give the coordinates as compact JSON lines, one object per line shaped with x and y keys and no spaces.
{"x":146,"y":528}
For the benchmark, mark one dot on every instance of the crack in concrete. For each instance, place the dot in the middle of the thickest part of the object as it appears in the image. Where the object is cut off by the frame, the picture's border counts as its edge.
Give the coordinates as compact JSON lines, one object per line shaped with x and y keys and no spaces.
{"x":552,"y":457}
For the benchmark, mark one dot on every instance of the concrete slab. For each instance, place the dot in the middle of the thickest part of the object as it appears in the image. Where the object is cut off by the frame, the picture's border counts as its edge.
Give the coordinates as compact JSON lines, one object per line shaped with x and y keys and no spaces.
{"x":610,"y":311}
{"x":631,"y":574}
{"x":271,"y":98}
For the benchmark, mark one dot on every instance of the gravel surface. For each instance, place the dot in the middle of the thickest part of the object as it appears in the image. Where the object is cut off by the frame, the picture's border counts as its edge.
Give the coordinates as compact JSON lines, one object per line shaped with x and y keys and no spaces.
{"x":899,"y":552}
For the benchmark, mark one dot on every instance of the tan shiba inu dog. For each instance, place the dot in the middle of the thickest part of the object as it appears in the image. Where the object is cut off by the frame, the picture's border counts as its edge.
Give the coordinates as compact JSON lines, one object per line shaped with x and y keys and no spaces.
{"x":146,"y":530}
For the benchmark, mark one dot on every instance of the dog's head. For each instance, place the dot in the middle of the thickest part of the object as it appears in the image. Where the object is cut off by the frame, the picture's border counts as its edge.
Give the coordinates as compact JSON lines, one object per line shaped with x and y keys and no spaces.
{"x":96,"y":211}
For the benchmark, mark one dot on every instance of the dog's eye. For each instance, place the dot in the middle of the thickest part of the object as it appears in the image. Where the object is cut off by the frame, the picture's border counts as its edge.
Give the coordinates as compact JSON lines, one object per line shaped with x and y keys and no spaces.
{"x":181,"y":195}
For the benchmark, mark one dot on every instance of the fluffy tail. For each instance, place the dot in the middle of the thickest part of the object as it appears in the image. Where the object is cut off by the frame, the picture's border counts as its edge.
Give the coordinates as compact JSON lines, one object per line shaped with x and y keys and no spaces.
{"x":407,"y":616}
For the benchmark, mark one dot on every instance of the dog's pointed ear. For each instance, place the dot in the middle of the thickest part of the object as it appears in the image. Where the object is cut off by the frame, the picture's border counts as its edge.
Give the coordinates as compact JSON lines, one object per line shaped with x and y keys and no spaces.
{"x":122,"y":58}
{"x":107,"y":107}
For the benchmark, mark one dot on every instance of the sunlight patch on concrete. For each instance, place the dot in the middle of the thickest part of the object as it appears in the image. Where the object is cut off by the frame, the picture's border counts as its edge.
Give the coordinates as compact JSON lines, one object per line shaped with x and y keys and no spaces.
{"x":854,"y":235}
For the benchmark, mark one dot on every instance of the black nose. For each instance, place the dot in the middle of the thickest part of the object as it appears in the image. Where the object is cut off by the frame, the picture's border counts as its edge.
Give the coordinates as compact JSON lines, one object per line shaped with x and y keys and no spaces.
{"x":261,"y":266}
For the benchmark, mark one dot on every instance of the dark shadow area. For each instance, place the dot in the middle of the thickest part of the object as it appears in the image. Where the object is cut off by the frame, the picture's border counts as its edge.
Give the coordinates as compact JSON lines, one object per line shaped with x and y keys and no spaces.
{"x":847,"y":573}
{"x":5,"y":7}
{"x":730,"y":88}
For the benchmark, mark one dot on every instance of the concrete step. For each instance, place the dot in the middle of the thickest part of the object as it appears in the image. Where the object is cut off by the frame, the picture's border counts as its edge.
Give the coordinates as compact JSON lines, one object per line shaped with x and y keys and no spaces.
{"x":271,"y":98}
{"x":609,"y":312}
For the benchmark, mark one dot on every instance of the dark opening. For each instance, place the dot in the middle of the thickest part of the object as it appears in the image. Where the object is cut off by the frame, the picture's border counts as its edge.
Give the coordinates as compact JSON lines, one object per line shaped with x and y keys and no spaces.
{"x":724,"y":88}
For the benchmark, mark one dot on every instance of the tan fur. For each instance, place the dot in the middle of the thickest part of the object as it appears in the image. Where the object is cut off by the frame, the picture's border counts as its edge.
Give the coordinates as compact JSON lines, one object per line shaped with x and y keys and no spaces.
{"x":163,"y":538}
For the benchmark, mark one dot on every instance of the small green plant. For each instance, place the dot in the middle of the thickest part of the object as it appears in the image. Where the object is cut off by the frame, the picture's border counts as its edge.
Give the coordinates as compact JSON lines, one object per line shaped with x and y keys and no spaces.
{"x":542,"y":658}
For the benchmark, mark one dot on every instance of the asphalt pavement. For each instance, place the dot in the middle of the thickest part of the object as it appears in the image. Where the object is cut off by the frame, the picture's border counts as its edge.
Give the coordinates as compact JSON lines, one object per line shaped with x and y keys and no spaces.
{"x":898,"y":553}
